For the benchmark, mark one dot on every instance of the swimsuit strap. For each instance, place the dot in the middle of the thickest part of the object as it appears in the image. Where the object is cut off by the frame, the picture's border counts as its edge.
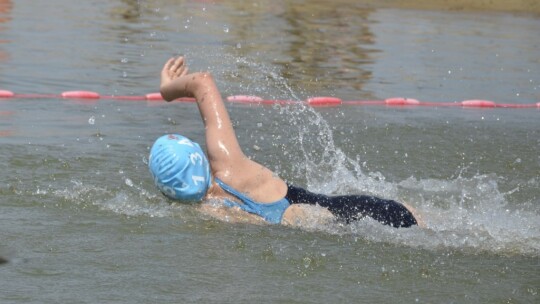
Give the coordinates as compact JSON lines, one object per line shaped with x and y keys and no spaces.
{"x":233,"y":191}
{"x":271,"y":212}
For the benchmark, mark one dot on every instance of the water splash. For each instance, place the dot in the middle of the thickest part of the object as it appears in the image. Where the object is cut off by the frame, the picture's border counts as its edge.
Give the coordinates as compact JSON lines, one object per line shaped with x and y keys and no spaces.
{"x":131,"y":202}
{"x":465,"y":214}
{"x":469,"y":214}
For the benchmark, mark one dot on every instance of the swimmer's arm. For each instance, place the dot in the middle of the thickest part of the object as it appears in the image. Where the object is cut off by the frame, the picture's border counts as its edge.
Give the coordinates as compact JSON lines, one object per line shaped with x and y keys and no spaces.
{"x":221,"y":142}
{"x":224,"y":152}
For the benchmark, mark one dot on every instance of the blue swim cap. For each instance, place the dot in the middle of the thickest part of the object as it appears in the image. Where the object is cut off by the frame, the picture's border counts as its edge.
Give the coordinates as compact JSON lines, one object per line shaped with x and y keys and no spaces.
{"x":179,"y":168}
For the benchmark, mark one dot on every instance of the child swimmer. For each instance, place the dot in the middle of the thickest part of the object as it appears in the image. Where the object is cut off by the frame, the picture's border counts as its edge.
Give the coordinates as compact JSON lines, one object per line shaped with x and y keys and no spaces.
{"x":183,"y":173}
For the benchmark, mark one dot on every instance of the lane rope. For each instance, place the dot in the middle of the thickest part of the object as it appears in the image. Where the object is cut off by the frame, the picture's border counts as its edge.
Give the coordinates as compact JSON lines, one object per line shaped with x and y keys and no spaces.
{"x":320,"y":101}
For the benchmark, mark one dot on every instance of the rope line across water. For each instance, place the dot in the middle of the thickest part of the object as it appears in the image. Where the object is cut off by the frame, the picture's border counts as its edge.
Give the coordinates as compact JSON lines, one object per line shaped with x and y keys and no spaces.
{"x":320,"y":101}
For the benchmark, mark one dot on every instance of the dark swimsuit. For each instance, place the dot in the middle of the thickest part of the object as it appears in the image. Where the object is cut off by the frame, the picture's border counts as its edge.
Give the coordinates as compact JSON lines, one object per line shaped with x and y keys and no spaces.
{"x":346,"y":207}
{"x":353,"y":207}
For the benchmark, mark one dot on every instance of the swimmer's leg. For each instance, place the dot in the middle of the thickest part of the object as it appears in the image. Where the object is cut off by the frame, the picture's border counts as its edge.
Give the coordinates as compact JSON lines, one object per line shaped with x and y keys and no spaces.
{"x":354,"y":207}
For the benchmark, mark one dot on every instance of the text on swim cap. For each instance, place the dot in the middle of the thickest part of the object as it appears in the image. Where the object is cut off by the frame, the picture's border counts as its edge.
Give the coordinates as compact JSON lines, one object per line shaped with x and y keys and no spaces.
{"x":185,"y":141}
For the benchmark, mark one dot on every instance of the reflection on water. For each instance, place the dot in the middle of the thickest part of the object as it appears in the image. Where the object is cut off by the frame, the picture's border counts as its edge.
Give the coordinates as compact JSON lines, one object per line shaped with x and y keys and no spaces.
{"x":319,"y":48}
{"x":5,"y":16}
{"x":518,"y":6}
{"x":327,"y":44}
{"x":128,"y":10}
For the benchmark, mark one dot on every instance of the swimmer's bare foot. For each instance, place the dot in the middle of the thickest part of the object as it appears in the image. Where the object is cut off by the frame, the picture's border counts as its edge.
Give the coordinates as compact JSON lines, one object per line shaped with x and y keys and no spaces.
{"x":416,"y":215}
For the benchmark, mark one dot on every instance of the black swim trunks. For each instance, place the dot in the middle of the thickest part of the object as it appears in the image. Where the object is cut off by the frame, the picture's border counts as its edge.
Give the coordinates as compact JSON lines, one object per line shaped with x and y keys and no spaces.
{"x":353,"y":207}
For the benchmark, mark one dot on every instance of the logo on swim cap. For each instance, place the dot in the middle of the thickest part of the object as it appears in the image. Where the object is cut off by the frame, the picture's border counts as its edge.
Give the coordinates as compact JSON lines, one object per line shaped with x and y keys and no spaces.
{"x":179,"y":168}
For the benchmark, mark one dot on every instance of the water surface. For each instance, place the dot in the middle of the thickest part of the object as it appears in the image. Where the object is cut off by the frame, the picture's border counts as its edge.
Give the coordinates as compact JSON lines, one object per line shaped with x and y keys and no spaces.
{"x":82,"y":222}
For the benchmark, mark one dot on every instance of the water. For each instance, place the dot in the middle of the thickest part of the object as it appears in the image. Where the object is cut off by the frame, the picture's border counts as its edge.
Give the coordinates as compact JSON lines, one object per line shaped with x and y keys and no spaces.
{"x":82,"y":222}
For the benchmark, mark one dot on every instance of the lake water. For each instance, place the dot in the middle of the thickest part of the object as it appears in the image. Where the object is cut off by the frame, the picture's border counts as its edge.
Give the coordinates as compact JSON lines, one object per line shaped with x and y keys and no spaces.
{"x":81,"y":222}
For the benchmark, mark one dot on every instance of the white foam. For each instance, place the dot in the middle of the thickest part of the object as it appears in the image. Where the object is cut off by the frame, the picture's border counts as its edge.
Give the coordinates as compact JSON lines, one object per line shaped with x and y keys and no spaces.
{"x":461,"y":213}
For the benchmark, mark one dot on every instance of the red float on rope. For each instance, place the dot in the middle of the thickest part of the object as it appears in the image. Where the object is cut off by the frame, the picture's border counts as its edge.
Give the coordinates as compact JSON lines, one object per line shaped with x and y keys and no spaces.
{"x":478,"y":103}
{"x":245,"y":99}
{"x":6,"y":94}
{"x":80,"y":94}
{"x":153,"y":96}
{"x":400,"y":101}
